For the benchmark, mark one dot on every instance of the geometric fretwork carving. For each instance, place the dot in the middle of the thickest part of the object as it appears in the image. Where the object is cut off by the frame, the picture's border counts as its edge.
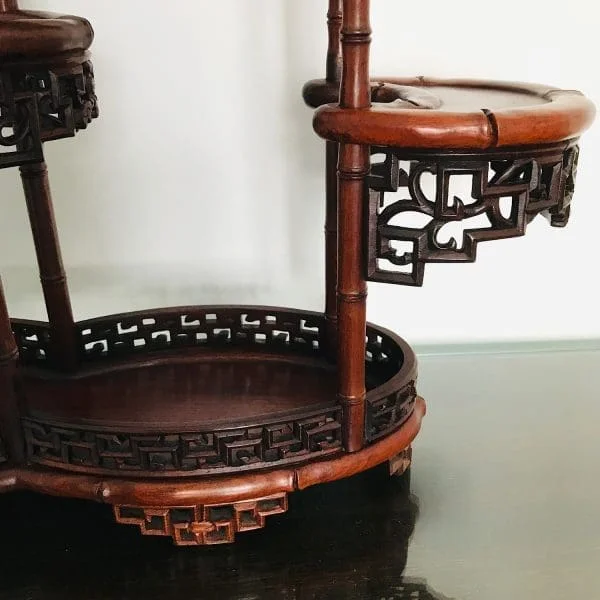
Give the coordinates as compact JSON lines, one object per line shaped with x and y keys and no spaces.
{"x":221,"y":327}
{"x":389,"y":412}
{"x":43,"y":103}
{"x":413,"y":210}
{"x":264,"y":445}
{"x":227,"y":450}
{"x":33,"y":341}
{"x":20,"y":140}
{"x":203,"y":525}
{"x":67,"y":101}
{"x":263,"y":329}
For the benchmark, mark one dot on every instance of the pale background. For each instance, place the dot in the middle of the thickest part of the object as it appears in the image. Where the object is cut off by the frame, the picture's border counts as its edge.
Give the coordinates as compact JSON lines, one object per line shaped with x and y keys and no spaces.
{"x":202,"y":182}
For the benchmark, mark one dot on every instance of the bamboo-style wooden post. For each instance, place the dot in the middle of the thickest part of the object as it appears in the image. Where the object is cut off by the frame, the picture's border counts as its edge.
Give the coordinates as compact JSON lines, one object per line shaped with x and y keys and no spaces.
{"x":352,"y":170}
{"x":333,"y":74}
{"x":10,"y":427}
{"x":63,"y":337}
{"x":8,"y":5}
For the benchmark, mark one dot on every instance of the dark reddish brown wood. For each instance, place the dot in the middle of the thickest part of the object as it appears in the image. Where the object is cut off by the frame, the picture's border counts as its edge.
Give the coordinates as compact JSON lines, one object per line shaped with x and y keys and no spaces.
{"x":471,"y":115}
{"x":333,"y":67}
{"x":226,"y":489}
{"x":352,"y":170}
{"x":529,"y":180}
{"x":333,"y":75}
{"x":52,"y":275}
{"x":331,"y":247}
{"x":196,"y":422}
{"x":11,"y":439}
{"x":202,"y":391}
{"x":28,"y":34}
{"x":8,"y":5}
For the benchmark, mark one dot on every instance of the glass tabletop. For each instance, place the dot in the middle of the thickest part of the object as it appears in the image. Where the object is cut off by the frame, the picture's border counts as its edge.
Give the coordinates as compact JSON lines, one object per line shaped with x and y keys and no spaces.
{"x":503,"y":502}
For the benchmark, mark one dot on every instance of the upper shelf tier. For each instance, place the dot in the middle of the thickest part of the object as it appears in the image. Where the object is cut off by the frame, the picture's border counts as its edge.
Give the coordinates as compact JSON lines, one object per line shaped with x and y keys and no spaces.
{"x":458,"y":114}
{"x":31,"y":35}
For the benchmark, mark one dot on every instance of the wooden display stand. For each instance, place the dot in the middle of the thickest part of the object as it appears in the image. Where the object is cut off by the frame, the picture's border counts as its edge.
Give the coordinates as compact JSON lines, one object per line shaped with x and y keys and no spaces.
{"x":197,"y":422}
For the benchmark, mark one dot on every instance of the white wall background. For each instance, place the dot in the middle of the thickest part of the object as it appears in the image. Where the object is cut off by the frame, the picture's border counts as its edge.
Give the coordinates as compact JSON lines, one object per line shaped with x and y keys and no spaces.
{"x":202,"y":182}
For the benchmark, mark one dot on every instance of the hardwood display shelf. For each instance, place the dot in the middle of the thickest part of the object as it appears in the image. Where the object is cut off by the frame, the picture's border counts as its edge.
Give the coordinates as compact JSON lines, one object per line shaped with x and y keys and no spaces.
{"x":197,"y":422}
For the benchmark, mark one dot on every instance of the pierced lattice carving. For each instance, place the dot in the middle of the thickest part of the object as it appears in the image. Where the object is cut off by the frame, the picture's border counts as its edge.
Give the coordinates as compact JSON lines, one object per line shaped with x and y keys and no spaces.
{"x":508,"y":189}
{"x":67,"y":101}
{"x":33,"y":341}
{"x":226,"y":450}
{"x":388,"y":412}
{"x":270,"y":444}
{"x":20,"y":139}
{"x":42,"y":104}
{"x":385,"y":411}
{"x":270,"y":330}
{"x":203,"y":525}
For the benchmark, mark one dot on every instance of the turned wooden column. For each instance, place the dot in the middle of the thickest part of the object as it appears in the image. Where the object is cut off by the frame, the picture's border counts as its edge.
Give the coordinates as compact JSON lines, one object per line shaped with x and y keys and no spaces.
{"x":353,"y":167}
{"x":8,"y":5}
{"x":10,"y":426}
{"x":63,"y":338}
{"x":333,"y":74}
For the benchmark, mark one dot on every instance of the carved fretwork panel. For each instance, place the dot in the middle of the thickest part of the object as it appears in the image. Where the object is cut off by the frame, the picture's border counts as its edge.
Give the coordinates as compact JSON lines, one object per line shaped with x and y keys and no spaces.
{"x":38,"y":105}
{"x":416,"y":215}
{"x":67,"y":100}
{"x":273,"y":444}
{"x":226,"y":327}
{"x":260,"y":328}
{"x":385,"y":411}
{"x":203,"y":525}
{"x":33,"y":341}
{"x":389,"y":412}
{"x":20,"y":139}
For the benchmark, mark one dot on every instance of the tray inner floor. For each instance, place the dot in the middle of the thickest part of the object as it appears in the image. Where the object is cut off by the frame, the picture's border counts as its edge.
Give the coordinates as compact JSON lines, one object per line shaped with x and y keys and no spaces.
{"x":183,"y":396}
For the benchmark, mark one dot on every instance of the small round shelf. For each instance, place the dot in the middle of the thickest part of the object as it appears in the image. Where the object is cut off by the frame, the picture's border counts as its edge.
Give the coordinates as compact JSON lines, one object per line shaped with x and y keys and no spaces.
{"x":517,"y":143}
{"x":29,"y":36}
{"x":438,"y":114}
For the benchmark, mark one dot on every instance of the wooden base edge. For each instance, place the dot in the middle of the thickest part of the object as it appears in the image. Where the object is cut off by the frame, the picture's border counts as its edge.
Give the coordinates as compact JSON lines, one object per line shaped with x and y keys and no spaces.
{"x":212,"y":510}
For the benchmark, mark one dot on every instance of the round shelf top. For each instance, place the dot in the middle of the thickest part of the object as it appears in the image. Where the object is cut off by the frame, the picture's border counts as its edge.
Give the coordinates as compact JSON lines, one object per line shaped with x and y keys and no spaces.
{"x":26,"y":34}
{"x":467,"y":115}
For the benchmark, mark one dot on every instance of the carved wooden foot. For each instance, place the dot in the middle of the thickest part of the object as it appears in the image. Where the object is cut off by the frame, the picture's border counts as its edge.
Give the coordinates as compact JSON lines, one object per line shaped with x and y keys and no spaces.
{"x":204,"y":524}
{"x":400,"y":463}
